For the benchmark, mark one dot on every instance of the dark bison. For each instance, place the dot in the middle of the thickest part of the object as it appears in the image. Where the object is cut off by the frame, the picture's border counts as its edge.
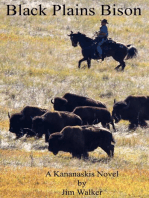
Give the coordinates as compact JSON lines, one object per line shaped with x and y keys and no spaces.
{"x":69,"y":101}
{"x":95,"y":115}
{"x":79,"y":140}
{"x":20,"y":121}
{"x":135,"y":109}
{"x":52,"y":122}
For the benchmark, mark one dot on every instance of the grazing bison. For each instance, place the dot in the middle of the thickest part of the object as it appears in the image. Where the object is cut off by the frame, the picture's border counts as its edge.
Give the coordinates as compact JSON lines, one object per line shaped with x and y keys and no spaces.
{"x":23,"y":119}
{"x":52,"y":122}
{"x":79,"y":140}
{"x":94,"y":115}
{"x":135,"y":109}
{"x":69,"y":101}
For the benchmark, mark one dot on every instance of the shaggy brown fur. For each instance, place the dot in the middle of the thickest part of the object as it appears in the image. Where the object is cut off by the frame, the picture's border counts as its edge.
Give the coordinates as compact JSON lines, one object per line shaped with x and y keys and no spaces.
{"x":135,"y":109}
{"x":52,"y":122}
{"x":95,"y":115}
{"x":69,"y":101}
{"x":79,"y":140}
{"x":23,"y":119}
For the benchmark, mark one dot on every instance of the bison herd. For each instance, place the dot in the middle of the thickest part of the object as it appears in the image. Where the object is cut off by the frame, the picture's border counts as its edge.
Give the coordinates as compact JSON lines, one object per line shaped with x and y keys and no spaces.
{"x":70,"y":127}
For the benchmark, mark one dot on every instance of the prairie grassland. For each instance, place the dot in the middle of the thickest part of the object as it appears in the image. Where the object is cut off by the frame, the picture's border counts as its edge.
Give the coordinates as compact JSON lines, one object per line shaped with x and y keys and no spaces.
{"x":33,"y":183}
{"x":39,"y":63}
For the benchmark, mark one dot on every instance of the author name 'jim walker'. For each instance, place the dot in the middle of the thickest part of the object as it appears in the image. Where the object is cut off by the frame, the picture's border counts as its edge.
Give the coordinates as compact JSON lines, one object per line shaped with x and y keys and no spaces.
{"x":104,"y":10}
{"x":82,"y":192}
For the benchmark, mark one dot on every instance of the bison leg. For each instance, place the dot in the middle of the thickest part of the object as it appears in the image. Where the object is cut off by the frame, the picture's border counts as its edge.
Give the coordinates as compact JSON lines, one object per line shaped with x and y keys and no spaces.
{"x":112,"y":123}
{"x":95,"y":121}
{"x":105,"y":125}
{"x":19,"y":135}
{"x":109,"y":150}
{"x":85,"y":122}
{"x":133,"y":125}
{"x":46,"y":137}
{"x":29,"y":133}
{"x":77,"y":155}
{"x":143,"y":123}
{"x":85,"y":155}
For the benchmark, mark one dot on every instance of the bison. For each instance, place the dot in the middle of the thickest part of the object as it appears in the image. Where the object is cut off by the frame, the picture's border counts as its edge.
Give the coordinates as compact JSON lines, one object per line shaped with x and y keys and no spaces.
{"x":79,"y":140}
{"x":135,"y":109}
{"x":20,"y":121}
{"x":69,"y":101}
{"x":94,"y":115}
{"x":52,"y":122}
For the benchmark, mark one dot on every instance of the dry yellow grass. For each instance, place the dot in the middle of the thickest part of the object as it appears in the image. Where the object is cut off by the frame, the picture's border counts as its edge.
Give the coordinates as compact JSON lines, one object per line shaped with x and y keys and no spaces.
{"x":33,"y":182}
{"x":24,"y":174}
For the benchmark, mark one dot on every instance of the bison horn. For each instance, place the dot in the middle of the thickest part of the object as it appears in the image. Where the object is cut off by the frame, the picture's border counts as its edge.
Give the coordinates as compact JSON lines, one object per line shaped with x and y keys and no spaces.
{"x":70,"y":33}
{"x":52,"y":101}
{"x":8,"y":115}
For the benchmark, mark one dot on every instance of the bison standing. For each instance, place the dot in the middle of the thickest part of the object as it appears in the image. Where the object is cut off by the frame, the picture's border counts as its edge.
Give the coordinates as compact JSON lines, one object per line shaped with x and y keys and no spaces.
{"x":23,"y":119}
{"x":135,"y":109}
{"x":52,"y":122}
{"x":79,"y":140}
{"x":69,"y":101}
{"x":94,"y":115}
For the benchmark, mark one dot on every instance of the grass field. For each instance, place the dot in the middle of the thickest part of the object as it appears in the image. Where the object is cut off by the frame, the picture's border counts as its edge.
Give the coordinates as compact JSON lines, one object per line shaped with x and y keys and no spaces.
{"x":38,"y":63}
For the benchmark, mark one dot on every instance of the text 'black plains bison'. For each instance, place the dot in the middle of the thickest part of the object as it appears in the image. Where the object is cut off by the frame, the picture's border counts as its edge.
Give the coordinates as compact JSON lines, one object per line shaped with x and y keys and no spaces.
{"x":95,"y":115}
{"x":135,"y":109}
{"x":79,"y":140}
{"x":52,"y":122}
{"x":22,"y":120}
{"x":69,"y":101}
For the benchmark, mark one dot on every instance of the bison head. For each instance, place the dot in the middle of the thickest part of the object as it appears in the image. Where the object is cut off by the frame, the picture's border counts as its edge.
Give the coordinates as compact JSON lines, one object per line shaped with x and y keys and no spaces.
{"x":118,"y":110}
{"x":60,"y":104}
{"x":16,"y":122}
{"x":54,"y":143}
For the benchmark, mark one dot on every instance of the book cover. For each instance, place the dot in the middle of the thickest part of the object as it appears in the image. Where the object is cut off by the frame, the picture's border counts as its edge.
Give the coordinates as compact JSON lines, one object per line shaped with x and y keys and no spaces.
{"x":51,"y":50}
